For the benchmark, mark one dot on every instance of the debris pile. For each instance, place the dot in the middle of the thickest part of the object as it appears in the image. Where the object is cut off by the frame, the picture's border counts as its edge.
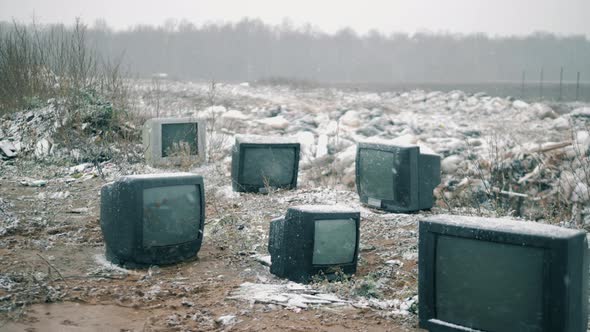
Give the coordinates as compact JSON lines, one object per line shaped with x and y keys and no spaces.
{"x":290,"y":295}
{"x":55,"y":134}
{"x":497,"y":153}
{"x":8,"y":221}
{"x":533,"y":165}
{"x":296,"y":297}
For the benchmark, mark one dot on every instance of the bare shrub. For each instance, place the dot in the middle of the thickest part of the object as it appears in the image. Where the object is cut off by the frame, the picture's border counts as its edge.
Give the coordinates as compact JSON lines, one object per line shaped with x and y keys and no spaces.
{"x":550,"y":182}
{"x":54,"y":65}
{"x":39,"y":63}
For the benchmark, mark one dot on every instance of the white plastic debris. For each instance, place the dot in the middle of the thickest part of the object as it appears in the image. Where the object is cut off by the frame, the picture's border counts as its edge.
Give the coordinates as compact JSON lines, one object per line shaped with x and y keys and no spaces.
{"x":33,"y":183}
{"x":226,"y":320}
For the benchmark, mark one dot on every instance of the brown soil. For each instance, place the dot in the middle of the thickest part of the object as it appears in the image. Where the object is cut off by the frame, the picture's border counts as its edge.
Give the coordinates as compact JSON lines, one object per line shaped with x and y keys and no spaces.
{"x":59,"y":285}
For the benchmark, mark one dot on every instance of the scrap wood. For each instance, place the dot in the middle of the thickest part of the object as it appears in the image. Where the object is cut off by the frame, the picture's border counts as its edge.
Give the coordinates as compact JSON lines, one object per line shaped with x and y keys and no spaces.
{"x":530,"y":175}
{"x":551,"y":147}
{"x":288,"y":295}
{"x":509,"y":193}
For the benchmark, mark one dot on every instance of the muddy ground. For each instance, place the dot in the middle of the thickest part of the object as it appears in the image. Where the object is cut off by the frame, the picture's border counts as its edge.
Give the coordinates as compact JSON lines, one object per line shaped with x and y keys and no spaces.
{"x":55,"y":277}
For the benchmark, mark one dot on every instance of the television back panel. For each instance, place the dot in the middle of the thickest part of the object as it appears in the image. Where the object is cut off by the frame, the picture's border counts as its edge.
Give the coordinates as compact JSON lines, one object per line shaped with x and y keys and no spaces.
{"x":429,"y":171}
{"x":261,"y":162}
{"x":276,"y":246}
{"x":172,"y":141}
{"x":501,"y":275}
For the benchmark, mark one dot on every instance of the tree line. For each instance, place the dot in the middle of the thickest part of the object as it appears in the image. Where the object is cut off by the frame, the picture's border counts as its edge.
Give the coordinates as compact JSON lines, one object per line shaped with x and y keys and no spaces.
{"x":251,"y":50}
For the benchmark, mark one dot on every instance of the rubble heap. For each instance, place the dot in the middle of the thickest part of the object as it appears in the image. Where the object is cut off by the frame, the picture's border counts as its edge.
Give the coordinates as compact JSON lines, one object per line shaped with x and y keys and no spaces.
{"x":497,"y":153}
{"x":55,"y":134}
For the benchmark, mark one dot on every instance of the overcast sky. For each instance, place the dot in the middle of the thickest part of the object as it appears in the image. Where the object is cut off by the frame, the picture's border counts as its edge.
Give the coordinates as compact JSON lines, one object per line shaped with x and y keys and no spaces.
{"x":494,"y":17}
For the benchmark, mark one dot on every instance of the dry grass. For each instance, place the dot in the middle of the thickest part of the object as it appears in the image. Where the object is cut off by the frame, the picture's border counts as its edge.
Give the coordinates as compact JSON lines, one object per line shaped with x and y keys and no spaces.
{"x":40,"y":63}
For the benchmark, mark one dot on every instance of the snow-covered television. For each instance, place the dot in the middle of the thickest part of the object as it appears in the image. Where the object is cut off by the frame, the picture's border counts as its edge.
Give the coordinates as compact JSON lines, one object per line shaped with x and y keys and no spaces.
{"x":260,"y":163}
{"x":486,"y":274}
{"x":152,"y":219}
{"x":174,"y":141}
{"x":396,"y":178}
{"x":314,"y":240}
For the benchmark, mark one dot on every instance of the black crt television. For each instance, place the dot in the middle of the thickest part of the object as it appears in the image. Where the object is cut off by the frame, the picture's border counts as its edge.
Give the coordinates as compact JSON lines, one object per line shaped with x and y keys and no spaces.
{"x":396,"y":178}
{"x":260,"y":163}
{"x":153,"y":219}
{"x":486,"y":274}
{"x":314,"y":240}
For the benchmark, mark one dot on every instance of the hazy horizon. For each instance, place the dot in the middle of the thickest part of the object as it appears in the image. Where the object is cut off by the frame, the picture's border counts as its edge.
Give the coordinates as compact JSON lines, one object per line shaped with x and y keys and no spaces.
{"x":497,"y":18}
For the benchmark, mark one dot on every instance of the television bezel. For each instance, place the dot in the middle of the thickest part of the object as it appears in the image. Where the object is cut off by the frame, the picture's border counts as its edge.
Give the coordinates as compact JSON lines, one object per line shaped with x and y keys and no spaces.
{"x":391,"y":205}
{"x":557,"y":247}
{"x":295,"y":259}
{"x":237,"y":168}
{"x":140,"y":255}
{"x":152,"y":130}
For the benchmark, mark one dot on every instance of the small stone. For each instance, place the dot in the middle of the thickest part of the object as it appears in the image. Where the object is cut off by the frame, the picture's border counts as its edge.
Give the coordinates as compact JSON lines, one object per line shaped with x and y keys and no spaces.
{"x":78,"y":210}
{"x":351,"y":119}
{"x":277,"y":122}
{"x":226,"y":320}
{"x":560,"y":123}
{"x":450,"y":164}
{"x":42,"y":148}
{"x":519,"y":104}
{"x":185,"y":302}
{"x":234,"y":115}
{"x":34,"y":183}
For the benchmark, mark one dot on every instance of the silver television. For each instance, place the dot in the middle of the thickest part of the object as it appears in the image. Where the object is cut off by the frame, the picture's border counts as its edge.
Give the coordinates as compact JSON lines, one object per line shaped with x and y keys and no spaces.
{"x":173,"y":141}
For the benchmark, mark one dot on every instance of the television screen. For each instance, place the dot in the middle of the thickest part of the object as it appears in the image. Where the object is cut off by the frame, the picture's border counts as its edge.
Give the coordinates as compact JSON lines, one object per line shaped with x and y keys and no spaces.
{"x":396,"y":178}
{"x":314,"y":240}
{"x":170,"y":215}
{"x":513,"y":279}
{"x":260,"y":163}
{"x":153,"y":218}
{"x":486,"y":274}
{"x":268,"y":165}
{"x":174,"y":141}
{"x":382,"y":177}
{"x":334,"y":241}
{"x":179,"y":138}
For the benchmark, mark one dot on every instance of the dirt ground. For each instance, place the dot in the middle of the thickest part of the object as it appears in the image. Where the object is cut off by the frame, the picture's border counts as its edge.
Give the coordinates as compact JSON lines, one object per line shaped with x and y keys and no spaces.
{"x":54,"y":276}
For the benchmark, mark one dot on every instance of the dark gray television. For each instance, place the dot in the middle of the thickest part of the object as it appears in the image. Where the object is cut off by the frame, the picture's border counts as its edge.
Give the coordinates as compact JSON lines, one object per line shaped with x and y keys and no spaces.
{"x":153,"y":219}
{"x":486,"y":274}
{"x":396,"y":178}
{"x":260,"y":163}
{"x":314,"y":240}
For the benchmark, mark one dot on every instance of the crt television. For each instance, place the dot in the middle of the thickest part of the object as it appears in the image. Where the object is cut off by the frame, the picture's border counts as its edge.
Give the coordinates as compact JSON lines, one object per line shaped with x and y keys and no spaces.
{"x":486,"y":274}
{"x":171,"y":141}
{"x":261,"y":162}
{"x":396,"y":178}
{"x":314,"y":240}
{"x":152,"y":218}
